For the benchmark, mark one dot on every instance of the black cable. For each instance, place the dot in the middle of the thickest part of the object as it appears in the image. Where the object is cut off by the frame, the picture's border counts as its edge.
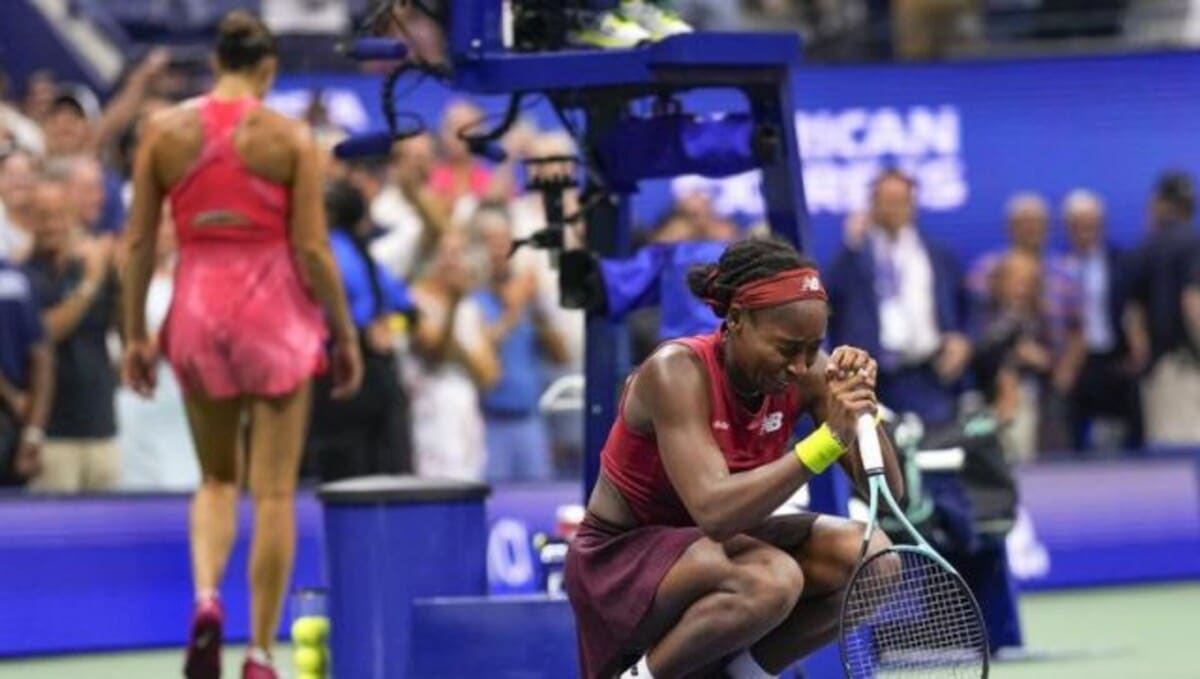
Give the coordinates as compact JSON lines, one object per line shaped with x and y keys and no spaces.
{"x":586,"y":159}
{"x":509,"y":118}
{"x":372,"y":17}
{"x":388,"y":104}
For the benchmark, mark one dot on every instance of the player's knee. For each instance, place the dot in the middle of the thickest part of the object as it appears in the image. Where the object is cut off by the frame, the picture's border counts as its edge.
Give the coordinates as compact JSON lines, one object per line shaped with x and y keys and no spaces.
{"x":272,"y":493}
{"x":772,"y":586}
{"x":707,"y":564}
{"x":786,"y":585}
{"x":847,"y":547}
{"x":218,"y":482}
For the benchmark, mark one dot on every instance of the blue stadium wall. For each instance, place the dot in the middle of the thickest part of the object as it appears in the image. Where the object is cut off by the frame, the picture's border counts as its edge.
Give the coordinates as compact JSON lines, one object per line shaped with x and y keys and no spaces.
{"x":112,"y":572}
{"x":972,"y":134}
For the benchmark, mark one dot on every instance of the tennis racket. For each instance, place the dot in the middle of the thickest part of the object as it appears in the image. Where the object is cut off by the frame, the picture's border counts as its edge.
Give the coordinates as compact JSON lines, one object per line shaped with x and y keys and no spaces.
{"x":906,"y":612}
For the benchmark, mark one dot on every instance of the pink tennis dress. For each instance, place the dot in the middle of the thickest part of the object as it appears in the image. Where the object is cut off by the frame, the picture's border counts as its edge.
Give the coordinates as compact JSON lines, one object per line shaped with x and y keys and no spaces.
{"x":241,"y":319}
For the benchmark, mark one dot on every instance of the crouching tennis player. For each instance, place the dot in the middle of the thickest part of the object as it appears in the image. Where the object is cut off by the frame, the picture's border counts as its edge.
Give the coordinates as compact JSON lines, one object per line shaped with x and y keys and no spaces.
{"x":679,"y":569}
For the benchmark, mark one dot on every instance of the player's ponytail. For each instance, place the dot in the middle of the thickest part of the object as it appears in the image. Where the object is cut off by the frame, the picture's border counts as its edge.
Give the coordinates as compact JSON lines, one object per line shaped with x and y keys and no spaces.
{"x":243,"y":40}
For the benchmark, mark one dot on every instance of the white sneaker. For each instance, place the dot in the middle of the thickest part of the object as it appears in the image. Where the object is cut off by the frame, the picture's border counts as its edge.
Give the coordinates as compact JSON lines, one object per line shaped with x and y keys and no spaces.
{"x":610,"y":30}
{"x":659,"y":22}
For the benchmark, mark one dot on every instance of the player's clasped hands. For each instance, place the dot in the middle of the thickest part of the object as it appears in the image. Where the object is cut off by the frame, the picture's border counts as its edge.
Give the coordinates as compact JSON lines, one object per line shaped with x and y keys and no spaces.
{"x":850,"y":375}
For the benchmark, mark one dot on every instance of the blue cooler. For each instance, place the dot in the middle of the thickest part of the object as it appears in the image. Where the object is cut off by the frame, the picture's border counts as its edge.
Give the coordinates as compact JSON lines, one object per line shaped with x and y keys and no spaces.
{"x":390,"y":540}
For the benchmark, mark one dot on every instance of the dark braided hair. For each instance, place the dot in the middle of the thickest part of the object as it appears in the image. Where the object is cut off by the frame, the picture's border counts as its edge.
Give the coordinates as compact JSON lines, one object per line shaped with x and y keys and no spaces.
{"x":743,"y":262}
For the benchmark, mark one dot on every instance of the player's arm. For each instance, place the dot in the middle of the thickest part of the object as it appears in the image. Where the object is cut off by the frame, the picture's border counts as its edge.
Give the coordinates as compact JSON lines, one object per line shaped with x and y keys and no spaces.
{"x":672,"y":387}
{"x":310,"y":236}
{"x":817,"y":383}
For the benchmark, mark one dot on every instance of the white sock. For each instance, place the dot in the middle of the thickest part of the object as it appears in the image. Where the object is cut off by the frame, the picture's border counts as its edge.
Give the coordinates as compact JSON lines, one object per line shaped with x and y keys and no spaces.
{"x":259,"y":656}
{"x":207,"y":594}
{"x":639,"y":671}
{"x":744,"y":666}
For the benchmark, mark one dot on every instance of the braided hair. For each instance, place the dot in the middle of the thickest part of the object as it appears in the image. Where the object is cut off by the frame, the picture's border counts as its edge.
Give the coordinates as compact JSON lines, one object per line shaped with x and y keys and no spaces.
{"x":741,"y":263}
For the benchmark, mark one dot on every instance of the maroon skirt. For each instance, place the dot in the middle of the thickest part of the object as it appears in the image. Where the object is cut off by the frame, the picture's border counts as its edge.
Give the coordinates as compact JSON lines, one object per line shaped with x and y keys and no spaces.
{"x":611,"y":577}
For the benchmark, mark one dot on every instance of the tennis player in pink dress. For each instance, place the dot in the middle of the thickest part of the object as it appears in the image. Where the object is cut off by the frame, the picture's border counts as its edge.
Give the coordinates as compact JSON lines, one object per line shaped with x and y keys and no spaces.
{"x":246,"y":330}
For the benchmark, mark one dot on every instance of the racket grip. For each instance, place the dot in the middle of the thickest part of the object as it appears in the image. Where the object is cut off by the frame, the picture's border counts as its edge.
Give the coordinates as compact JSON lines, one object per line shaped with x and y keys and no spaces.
{"x":868,"y":443}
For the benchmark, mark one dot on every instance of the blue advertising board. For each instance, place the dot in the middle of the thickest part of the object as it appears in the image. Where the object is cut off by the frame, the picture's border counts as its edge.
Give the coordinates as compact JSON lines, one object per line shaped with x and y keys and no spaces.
{"x":972,"y":134}
{"x":1081,"y":524}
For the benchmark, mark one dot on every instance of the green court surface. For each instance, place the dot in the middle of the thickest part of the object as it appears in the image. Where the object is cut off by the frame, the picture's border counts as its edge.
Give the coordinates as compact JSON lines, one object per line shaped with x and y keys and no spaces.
{"x":1148,"y":632}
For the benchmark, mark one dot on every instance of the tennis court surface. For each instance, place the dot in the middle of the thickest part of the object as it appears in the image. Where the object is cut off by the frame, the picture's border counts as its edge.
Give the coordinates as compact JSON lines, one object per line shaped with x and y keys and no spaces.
{"x":1143,"y":632}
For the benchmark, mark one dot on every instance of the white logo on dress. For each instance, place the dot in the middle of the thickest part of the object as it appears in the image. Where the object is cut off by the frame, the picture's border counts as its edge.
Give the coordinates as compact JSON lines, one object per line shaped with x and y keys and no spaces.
{"x":773,"y":422}
{"x":721,"y":424}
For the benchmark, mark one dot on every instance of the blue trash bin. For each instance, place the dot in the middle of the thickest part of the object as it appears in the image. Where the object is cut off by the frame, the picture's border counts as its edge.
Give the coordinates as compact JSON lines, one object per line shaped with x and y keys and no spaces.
{"x":389,"y":540}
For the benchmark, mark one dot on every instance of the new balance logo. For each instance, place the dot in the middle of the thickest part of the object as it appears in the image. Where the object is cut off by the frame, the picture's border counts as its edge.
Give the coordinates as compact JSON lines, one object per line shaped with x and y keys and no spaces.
{"x":772,"y":422}
{"x":810,"y":284}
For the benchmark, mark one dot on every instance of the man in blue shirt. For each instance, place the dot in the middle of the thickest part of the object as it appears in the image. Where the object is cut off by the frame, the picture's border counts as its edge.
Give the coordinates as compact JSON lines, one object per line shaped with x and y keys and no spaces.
{"x":26,"y":376}
{"x":73,"y":282}
{"x":517,"y":445}
{"x":371,"y":432}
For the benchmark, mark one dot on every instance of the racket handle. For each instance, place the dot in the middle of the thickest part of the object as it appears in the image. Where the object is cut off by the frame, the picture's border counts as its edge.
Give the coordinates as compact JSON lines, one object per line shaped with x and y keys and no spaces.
{"x":868,"y":443}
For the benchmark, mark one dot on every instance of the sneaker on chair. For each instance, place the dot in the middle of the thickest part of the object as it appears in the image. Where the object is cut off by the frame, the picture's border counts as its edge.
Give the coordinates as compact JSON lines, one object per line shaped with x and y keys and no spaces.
{"x":657,"y":20}
{"x":610,"y":30}
{"x":204,"y":643}
{"x":258,"y":666}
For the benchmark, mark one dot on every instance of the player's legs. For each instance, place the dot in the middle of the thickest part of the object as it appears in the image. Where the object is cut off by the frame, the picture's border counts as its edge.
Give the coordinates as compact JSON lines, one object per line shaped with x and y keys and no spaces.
{"x":215,"y":424}
{"x":717,"y":599}
{"x":276,"y":441}
{"x":827,"y":557}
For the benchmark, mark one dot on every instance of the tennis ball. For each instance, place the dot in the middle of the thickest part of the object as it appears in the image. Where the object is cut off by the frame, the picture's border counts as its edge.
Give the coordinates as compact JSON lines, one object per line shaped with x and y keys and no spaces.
{"x":309,"y":660}
{"x":311,"y":630}
{"x":309,"y":675}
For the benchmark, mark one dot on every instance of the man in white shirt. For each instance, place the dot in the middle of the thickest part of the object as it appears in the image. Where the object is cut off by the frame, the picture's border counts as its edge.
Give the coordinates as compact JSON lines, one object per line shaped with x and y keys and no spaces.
{"x":902,"y":298}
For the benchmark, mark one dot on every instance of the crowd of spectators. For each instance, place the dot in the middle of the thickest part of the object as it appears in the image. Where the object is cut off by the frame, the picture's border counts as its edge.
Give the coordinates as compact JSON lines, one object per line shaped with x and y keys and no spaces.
{"x":1092,"y":348}
{"x":461,"y":340}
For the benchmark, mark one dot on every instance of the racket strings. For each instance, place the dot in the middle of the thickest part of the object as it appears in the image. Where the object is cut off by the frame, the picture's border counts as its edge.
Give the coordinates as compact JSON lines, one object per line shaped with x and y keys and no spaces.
{"x":906,"y":616}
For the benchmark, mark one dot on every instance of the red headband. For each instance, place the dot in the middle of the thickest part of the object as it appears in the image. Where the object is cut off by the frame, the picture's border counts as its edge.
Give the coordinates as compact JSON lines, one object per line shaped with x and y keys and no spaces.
{"x":786,"y":286}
